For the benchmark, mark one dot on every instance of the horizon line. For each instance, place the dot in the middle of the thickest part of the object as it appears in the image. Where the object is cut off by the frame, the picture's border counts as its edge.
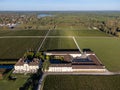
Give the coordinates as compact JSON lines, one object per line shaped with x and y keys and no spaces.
{"x":59,"y":10}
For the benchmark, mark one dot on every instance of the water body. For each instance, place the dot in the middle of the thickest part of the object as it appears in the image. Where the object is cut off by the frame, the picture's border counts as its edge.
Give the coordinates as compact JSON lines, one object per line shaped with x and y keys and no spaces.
{"x":7,"y":66}
{"x":44,"y":15}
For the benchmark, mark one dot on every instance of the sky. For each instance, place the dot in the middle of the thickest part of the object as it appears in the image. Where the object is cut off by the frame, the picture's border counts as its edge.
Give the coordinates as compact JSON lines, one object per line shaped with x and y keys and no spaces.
{"x":59,"y":5}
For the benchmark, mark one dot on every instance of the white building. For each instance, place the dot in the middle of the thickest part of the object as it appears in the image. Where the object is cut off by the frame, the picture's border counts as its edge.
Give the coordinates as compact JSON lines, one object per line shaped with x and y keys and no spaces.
{"x":76,"y":62}
{"x":26,"y":66}
{"x":60,"y":68}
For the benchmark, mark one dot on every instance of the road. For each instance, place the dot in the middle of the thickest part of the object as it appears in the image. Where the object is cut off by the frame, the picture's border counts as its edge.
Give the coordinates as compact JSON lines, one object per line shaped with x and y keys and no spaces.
{"x":83,"y":73}
{"x":41,"y":84}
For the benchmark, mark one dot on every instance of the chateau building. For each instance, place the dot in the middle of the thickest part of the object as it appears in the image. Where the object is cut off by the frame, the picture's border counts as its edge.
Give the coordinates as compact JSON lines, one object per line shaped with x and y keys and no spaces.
{"x":26,"y":66}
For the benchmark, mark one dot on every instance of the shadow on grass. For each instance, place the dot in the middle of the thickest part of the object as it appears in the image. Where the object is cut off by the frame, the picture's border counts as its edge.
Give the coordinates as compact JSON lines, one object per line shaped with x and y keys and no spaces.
{"x":6,"y":59}
{"x":32,"y":82}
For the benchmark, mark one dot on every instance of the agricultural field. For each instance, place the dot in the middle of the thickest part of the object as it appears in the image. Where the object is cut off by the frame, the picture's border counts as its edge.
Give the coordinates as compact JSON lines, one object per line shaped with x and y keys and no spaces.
{"x":83,"y":32}
{"x":86,"y":32}
{"x":107,"y":49}
{"x":15,"y":48}
{"x":58,"y":43}
{"x":68,"y":27}
{"x":65,"y":82}
{"x":23,"y":32}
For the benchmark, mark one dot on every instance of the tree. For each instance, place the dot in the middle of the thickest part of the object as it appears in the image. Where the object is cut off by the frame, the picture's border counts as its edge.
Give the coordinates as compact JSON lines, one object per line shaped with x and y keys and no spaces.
{"x":38,"y":55}
{"x":29,"y":55}
{"x":47,"y":57}
{"x":46,"y":65}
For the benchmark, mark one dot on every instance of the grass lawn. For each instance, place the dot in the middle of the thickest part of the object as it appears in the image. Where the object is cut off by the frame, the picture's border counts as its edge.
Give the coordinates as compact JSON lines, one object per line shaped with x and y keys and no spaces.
{"x":107,"y":49}
{"x":77,"y":33}
{"x":13,"y":85}
{"x":15,"y":48}
{"x":23,"y":32}
{"x":65,"y":82}
{"x":59,"y":43}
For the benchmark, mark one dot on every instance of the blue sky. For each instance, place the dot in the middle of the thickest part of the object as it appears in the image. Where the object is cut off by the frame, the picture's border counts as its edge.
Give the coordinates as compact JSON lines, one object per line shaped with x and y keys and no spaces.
{"x":52,"y":5}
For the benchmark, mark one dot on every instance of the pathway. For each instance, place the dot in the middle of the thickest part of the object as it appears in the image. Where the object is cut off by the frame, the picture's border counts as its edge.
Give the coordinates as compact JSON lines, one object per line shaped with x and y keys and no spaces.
{"x":43,"y":41}
{"x":77,"y":44}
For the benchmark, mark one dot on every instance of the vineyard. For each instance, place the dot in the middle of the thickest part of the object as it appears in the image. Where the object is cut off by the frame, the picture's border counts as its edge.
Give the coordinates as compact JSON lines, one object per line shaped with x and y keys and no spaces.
{"x":15,"y":48}
{"x":66,"y":82}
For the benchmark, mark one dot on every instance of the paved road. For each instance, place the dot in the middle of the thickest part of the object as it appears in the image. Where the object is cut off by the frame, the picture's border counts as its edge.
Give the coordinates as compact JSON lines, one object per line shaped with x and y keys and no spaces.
{"x":41,"y":83}
{"x":106,"y":72}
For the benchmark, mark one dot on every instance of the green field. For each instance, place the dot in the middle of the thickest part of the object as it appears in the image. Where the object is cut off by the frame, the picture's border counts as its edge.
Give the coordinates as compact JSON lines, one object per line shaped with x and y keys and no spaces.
{"x":65,"y":82}
{"x":59,"y":43}
{"x":107,"y":49}
{"x":13,"y":85}
{"x":23,"y":32}
{"x":83,"y":32}
{"x":77,"y":33}
{"x":15,"y":48}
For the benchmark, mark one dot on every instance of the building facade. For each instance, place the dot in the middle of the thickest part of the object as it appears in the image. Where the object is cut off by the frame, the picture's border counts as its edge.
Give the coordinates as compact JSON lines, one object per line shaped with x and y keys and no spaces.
{"x":26,"y":66}
{"x":76,"y":62}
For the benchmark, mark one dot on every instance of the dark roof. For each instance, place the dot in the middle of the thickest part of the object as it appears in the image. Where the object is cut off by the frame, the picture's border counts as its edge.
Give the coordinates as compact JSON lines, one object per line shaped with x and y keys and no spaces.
{"x":82,"y":60}
{"x":95,"y":59}
{"x":63,"y":51}
{"x":87,"y":50}
{"x":90,"y":52}
{"x":91,"y":62}
{"x":34,"y":62}
{"x":87,"y":67}
{"x":60,"y":65}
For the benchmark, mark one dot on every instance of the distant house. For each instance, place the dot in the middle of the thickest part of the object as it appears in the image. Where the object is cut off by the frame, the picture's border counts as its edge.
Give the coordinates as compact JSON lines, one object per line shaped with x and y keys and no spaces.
{"x":74,"y":61}
{"x":26,"y":66}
